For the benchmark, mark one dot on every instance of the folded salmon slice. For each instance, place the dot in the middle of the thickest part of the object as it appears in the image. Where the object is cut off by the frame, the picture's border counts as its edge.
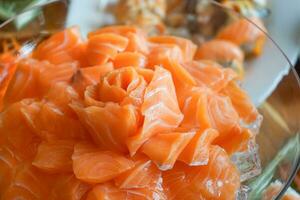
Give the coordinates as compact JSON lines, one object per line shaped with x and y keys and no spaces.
{"x":21,"y":138}
{"x":87,"y":76}
{"x":105,"y":46}
{"x":137,"y":41}
{"x":55,"y":156}
{"x":110,"y":191}
{"x":68,"y":187}
{"x":163,"y":149}
{"x":117,"y":124}
{"x":130,"y":59}
{"x":92,"y":165}
{"x":24,"y":82}
{"x":7,"y":70}
{"x":210,"y":74}
{"x":38,"y":115}
{"x":62,"y":47}
{"x":187,"y":47}
{"x":143,"y":175}
{"x":8,"y":162}
{"x":196,"y":152}
{"x":241,"y":102}
{"x":28,"y":183}
{"x":219,"y":179}
{"x":160,"y":109}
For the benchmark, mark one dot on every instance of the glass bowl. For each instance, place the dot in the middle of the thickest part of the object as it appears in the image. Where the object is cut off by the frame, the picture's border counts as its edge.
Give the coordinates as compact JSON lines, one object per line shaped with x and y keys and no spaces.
{"x":270,"y":80}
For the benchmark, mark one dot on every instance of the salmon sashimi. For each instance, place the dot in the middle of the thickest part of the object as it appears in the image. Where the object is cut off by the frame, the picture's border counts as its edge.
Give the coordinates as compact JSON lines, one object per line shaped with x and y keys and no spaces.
{"x":105,"y":46}
{"x":239,"y":141}
{"x":7,"y":70}
{"x":110,"y":191}
{"x":210,"y":74}
{"x":87,"y":76}
{"x":123,"y":86}
{"x":130,"y":59}
{"x":92,"y":165}
{"x":61,"y":95}
{"x":159,"y":52}
{"x":137,"y":38}
{"x":160,"y":109}
{"x":124,"y":115}
{"x":54,"y":157}
{"x":187,"y":47}
{"x":34,"y":78}
{"x":197,"y":151}
{"x":144,"y":174}
{"x":117,"y":124}
{"x":28,"y":183}
{"x":63,"y":47}
{"x":55,"y":73}
{"x":23,"y":84}
{"x":165,"y":148}
{"x":245,"y":34}
{"x":224,"y":52}
{"x":8,"y":162}
{"x":14,"y":130}
{"x":241,"y":102}
{"x":38,"y":116}
{"x":68,"y":187}
{"x":219,"y":179}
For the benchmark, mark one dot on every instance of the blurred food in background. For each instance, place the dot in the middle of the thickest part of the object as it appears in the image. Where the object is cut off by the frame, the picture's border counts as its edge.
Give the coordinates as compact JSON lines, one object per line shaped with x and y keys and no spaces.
{"x":204,"y":23}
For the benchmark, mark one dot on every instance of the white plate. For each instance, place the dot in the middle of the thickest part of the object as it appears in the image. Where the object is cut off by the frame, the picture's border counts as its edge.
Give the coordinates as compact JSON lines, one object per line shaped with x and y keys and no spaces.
{"x":262,"y":74}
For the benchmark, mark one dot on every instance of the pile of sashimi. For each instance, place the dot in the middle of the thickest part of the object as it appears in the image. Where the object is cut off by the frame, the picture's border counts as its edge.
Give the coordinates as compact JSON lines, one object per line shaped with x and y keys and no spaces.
{"x":122,"y":115}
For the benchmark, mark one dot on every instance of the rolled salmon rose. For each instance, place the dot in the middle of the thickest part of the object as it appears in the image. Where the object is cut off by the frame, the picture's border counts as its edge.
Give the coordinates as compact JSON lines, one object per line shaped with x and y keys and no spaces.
{"x":110,"y":110}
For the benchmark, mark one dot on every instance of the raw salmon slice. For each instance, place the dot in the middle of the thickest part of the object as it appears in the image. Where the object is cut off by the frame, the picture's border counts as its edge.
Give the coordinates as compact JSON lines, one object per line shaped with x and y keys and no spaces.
{"x":239,"y":141}
{"x":196,"y":152}
{"x":28,"y":183}
{"x":130,"y":59}
{"x":124,"y":86}
{"x":105,"y":46}
{"x":20,"y":137}
{"x":62,"y":47}
{"x":187,"y":47}
{"x":7,"y":70}
{"x":224,"y":52}
{"x":55,"y":156}
{"x":241,"y":102}
{"x":221,"y":51}
{"x":137,"y":38}
{"x":160,"y":109}
{"x":110,"y":191}
{"x":210,"y":74}
{"x":117,"y":124}
{"x":159,"y":52}
{"x":87,"y":76}
{"x":92,"y":165}
{"x":164,"y":149}
{"x":143,"y":175}
{"x":56,"y":130}
{"x":8,"y":162}
{"x":24,"y":82}
{"x":219,"y":179}
{"x":34,"y":78}
{"x":245,"y":34}
{"x":62,"y":94}
{"x":68,"y":187}
{"x":50,"y":74}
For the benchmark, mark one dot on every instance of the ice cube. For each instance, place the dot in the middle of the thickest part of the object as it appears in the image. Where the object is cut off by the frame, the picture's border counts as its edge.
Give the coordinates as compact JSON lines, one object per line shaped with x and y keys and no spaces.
{"x":248,"y":162}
